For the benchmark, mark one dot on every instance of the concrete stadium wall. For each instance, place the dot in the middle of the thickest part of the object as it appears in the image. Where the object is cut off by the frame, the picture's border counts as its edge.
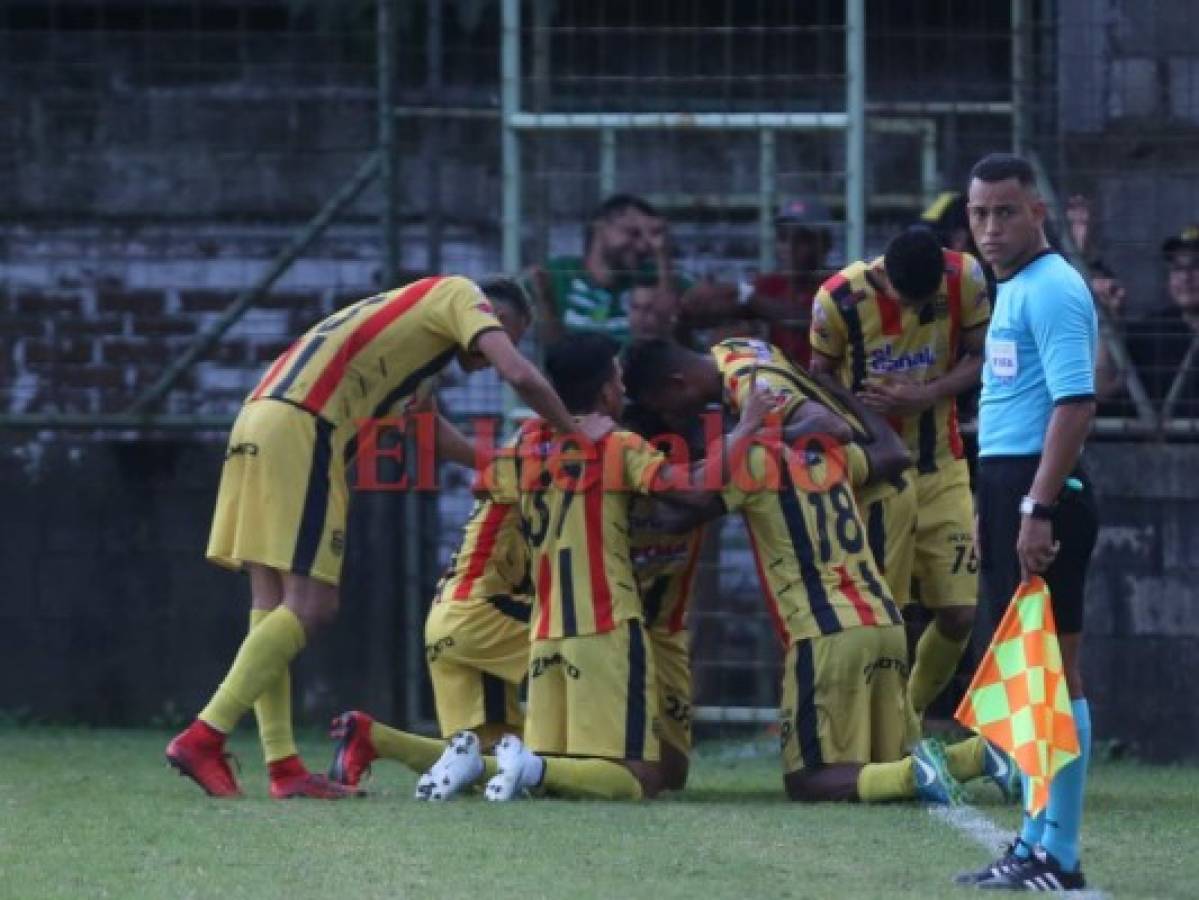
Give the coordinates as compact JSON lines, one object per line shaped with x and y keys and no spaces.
{"x":1141,"y":657}
{"x":111,"y":616}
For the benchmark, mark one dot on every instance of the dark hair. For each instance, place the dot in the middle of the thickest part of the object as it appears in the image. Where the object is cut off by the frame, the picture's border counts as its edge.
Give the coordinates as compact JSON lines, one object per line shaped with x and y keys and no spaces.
{"x":914,"y":263}
{"x":1001,"y":166}
{"x":578,"y":366}
{"x":501,"y":289}
{"x":618,"y":203}
{"x":647,"y":363}
{"x":642,"y":421}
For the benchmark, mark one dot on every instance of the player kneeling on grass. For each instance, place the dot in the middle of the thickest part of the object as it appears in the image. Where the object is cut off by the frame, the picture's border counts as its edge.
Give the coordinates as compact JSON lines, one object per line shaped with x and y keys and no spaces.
{"x":845,"y":717}
{"x":665,"y":564}
{"x":477,"y":650}
{"x":476,"y":647}
{"x":282,"y":504}
{"x":593,"y":697}
{"x":672,"y":380}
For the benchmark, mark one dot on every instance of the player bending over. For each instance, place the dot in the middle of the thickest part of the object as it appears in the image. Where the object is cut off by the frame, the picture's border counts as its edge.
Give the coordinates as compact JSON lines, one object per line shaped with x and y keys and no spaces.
{"x":846,"y":717}
{"x":671,"y":380}
{"x":905,"y":333}
{"x":282,"y":503}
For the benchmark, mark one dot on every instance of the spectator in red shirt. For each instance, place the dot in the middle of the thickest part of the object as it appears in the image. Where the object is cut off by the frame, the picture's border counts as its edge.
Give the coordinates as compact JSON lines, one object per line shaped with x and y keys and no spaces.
{"x":782,"y":298}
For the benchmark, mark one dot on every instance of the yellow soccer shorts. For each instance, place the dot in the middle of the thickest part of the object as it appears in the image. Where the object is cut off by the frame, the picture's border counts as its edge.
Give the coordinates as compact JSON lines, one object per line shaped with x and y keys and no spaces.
{"x":283,"y":495}
{"x":672,"y":657}
{"x":477,"y":651}
{"x":845,"y":698}
{"x":890,"y":518}
{"x":594,"y":695}
{"x":945,"y":568}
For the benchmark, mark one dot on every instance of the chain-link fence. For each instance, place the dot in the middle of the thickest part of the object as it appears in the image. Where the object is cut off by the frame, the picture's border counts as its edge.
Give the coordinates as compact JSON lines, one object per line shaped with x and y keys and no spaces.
{"x":165,"y":158}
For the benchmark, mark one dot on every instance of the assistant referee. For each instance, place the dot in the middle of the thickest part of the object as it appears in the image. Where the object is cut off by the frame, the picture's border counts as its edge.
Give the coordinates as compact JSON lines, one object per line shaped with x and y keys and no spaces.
{"x":1038,"y":401}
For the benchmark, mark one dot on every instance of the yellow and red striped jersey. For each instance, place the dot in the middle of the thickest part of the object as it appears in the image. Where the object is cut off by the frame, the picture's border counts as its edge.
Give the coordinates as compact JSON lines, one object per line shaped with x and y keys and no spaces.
{"x":664,"y":564}
{"x":492,"y":560}
{"x":574,"y":505}
{"x":362,"y":361}
{"x":792,"y":386}
{"x":872,"y":334}
{"x":737,"y":358}
{"x":810,"y":545}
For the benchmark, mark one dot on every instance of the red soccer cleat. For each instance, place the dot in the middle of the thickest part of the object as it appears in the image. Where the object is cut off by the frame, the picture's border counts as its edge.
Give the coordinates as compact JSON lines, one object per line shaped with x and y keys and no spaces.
{"x":199,"y":753}
{"x":290,"y":779}
{"x":354,"y":753}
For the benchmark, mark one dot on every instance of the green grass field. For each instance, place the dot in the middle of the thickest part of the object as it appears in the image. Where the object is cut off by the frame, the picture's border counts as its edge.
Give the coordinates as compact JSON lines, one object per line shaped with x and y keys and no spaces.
{"x":98,"y":814}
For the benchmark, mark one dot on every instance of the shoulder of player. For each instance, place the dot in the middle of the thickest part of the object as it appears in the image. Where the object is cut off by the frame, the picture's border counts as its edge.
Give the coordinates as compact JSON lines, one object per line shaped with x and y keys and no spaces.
{"x":454,"y":290}
{"x":849,"y":287}
{"x":618,"y":440}
{"x":453,"y":284}
{"x":965,"y":265}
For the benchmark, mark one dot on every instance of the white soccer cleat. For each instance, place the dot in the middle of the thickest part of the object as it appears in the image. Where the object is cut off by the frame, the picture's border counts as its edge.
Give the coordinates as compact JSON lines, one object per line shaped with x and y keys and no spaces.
{"x":519,"y":770}
{"x":460,"y":765}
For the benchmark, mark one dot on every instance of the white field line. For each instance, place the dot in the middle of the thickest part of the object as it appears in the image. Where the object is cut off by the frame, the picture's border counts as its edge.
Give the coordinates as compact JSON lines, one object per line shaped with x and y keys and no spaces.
{"x":970,"y":822}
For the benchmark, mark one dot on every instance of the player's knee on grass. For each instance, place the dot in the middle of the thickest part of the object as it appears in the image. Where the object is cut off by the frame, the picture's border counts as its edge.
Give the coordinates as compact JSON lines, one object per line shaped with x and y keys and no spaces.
{"x":673,"y":767}
{"x":649,"y":774}
{"x":955,"y":622}
{"x":314,"y":602}
{"x":833,"y":782}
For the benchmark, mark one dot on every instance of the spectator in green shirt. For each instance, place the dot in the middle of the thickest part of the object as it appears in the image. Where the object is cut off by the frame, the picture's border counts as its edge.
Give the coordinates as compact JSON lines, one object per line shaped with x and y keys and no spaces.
{"x":627,"y":244}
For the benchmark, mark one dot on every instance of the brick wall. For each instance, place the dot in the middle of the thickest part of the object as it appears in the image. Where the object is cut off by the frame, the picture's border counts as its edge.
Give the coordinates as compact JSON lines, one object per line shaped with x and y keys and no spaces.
{"x":88,"y":320}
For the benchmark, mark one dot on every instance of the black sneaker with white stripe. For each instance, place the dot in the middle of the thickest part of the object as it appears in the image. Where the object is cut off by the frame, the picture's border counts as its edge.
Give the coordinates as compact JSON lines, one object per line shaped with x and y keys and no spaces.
{"x":998,"y":867}
{"x":1040,"y":873}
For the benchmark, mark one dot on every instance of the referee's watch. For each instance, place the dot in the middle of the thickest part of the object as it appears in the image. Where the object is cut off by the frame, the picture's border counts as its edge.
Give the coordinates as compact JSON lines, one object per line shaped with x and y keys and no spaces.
{"x":1034,"y":510}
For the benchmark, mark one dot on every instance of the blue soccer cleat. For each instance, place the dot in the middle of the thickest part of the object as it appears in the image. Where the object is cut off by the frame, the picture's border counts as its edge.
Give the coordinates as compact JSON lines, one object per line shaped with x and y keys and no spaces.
{"x":1002,"y":770}
{"x":930,"y":768}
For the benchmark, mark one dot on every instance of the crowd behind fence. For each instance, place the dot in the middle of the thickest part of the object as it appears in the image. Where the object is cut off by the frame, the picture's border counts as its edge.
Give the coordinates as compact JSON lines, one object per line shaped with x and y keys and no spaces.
{"x":165,"y":157}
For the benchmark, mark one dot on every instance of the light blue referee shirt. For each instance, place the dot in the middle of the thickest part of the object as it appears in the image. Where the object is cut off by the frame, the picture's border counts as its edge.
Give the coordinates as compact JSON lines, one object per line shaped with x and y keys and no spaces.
{"x":1040,"y":352}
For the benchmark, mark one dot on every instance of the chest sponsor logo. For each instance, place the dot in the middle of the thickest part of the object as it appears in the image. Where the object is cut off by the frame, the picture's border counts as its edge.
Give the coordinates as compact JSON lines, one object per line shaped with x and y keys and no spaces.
{"x":884,"y":359}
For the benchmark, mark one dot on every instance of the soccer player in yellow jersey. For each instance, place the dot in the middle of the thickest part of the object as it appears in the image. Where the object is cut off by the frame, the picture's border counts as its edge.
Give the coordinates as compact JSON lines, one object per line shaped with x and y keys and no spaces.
{"x":477,"y":650}
{"x":797,"y":532}
{"x":844,"y":713}
{"x":665,"y":564}
{"x":905,"y":332}
{"x":281,"y":507}
{"x":592,"y":703}
{"x":672,"y":380}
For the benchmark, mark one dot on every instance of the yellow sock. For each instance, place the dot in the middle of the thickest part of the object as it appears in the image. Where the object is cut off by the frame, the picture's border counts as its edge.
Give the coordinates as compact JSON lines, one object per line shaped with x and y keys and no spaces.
{"x":879,"y":782}
{"x":413,"y":750}
{"x":273,"y":709}
{"x":966,"y":759}
{"x":936,"y":659}
{"x":590,"y":779}
{"x":914,"y":729}
{"x":262,"y":659}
